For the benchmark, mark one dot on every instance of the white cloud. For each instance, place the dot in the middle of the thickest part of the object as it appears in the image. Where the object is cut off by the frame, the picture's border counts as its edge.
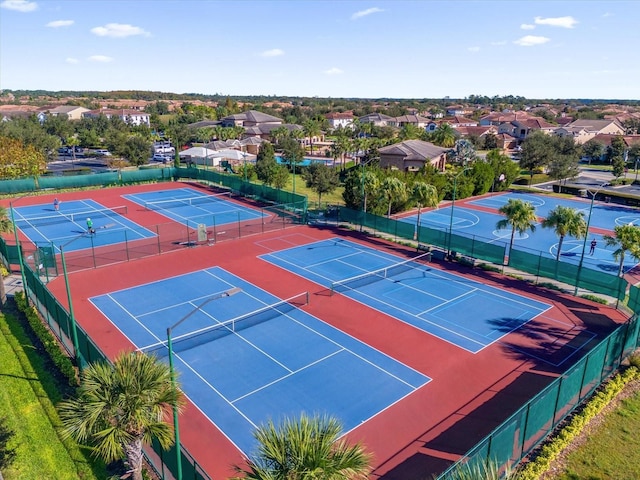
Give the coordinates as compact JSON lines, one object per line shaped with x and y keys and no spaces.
{"x":527,"y":26}
{"x":474,"y":49}
{"x":274,"y":52}
{"x":72,"y":60}
{"x":531,"y":40}
{"x":19,"y":5}
{"x":118,"y":30}
{"x":564,"y":22}
{"x":60,"y":23}
{"x":100,"y":59}
{"x":364,"y":13}
{"x":333,"y":71}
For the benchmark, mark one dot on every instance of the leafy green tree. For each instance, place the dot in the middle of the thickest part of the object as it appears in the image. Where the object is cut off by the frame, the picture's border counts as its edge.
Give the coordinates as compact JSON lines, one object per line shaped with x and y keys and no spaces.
{"x":617,"y":166}
{"x":537,"y":152}
{"x":137,"y":150}
{"x":562,"y":167}
{"x":565,"y":221}
{"x":626,"y":238}
{"x":280,"y":177}
{"x":321,"y":179}
{"x":410,"y":132}
{"x":490,"y":141}
{"x":424,"y":195}
{"x":393,"y":190}
{"x":266,"y":164}
{"x":593,"y":150}
{"x":616,"y":149}
{"x":20,"y":160}
{"x":121,"y":407}
{"x":58,"y":126}
{"x":520,"y":217}
{"x":463,"y":152}
{"x":505,"y":171}
{"x":308,"y":448}
{"x":30,"y":133}
{"x":483,"y":177}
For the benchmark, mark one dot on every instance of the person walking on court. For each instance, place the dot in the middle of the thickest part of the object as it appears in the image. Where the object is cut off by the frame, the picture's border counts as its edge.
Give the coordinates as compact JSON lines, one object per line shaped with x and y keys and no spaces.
{"x":593,"y":246}
{"x":90,"y":228}
{"x":56,"y":204}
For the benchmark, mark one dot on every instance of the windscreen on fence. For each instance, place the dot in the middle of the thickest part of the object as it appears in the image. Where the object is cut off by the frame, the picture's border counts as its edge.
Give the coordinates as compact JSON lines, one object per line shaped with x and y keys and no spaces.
{"x":515,"y":438}
{"x":145,"y":175}
{"x":76,"y":181}
{"x":18,"y":185}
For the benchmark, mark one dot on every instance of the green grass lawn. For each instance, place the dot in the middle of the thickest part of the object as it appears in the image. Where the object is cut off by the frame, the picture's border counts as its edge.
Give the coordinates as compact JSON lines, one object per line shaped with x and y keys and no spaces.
{"x":27,"y":405}
{"x":612,"y":451}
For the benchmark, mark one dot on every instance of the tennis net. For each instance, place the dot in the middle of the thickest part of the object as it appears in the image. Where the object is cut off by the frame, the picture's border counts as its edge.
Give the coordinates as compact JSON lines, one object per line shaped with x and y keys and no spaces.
{"x":186,"y":201}
{"x":74,"y":217}
{"x":213,"y":332}
{"x":368,"y":278}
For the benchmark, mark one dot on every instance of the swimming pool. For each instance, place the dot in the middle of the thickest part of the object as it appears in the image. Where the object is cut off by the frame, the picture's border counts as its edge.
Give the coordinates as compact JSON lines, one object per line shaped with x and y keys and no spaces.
{"x":308,"y":161}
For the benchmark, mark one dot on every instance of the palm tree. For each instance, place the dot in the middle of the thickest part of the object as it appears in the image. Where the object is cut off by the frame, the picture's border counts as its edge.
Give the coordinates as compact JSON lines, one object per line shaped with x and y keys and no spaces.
{"x":393,"y":189}
{"x":566,"y":221}
{"x":626,"y":239}
{"x":521,"y":216}
{"x":311,"y":128}
{"x":307,"y":448}
{"x":424,"y":195}
{"x":444,"y":136}
{"x":121,"y":407}
{"x":370,"y":184}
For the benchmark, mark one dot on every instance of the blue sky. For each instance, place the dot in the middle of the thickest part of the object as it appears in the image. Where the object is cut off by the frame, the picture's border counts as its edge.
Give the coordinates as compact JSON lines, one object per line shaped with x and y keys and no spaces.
{"x":324,"y":48}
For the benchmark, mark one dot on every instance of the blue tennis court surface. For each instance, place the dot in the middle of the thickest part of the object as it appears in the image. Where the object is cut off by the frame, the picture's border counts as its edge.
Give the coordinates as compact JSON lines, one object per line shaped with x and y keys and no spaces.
{"x":191,"y":207}
{"x":604,"y":215}
{"x":482,"y":226}
{"x":67,"y":227}
{"x":271,"y":359}
{"x":432,"y":300}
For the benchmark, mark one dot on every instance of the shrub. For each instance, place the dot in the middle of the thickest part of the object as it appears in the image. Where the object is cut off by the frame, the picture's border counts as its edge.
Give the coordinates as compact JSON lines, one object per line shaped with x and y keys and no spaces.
{"x":49,"y":342}
{"x":595,"y":298}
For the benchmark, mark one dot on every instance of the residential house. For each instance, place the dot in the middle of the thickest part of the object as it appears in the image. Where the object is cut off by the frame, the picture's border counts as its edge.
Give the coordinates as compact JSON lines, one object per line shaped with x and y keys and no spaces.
{"x":411,"y":155}
{"x":340,"y":119}
{"x":520,"y":129}
{"x":250,"y":118}
{"x":599,"y":127}
{"x":458,"y":121}
{"x":584,"y":130}
{"x":73,"y":112}
{"x":458,"y":110}
{"x":377,"y":119}
{"x":129,"y":116}
{"x":415,"y":120}
{"x":498,"y":118}
{"x":8,"y":115}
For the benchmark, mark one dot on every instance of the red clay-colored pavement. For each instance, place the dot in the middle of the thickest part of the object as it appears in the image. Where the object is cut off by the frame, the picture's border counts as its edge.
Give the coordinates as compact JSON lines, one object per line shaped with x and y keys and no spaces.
{"x":468,"y":396}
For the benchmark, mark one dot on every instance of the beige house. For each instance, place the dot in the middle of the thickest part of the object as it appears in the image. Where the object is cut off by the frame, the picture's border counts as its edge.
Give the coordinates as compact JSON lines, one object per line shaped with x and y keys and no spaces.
{"x":72,"y":112}
{"x":412,"y":155}
{"x":415,"y":120}
{"x":584,"y":130}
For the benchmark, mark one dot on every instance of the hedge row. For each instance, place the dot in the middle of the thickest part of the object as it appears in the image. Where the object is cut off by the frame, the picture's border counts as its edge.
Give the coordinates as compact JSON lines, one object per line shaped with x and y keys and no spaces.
{"x":550,"y":451}
{"x":49,"y":342}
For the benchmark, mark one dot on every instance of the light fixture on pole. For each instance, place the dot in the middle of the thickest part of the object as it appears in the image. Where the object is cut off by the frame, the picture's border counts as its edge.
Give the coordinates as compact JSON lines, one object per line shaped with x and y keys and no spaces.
{"x":586,"y":235}
{"x":176,"y":426}
{"x":453,"y":202}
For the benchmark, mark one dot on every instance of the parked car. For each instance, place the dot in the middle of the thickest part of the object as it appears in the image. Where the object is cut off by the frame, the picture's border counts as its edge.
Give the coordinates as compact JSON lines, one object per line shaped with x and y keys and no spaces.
{"x":101,"y":152}
{"x":158,"y":157}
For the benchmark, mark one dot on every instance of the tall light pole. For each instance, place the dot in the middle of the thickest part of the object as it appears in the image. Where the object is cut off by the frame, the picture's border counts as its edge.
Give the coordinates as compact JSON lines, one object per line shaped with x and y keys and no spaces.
{"x":176,"y":426}
{"x":586,"y":236}
{"x":453,"y":202}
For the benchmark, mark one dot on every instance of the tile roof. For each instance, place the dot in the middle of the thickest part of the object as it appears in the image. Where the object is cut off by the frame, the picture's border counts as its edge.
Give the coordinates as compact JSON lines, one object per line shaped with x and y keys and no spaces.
{"x":414,"y":150}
